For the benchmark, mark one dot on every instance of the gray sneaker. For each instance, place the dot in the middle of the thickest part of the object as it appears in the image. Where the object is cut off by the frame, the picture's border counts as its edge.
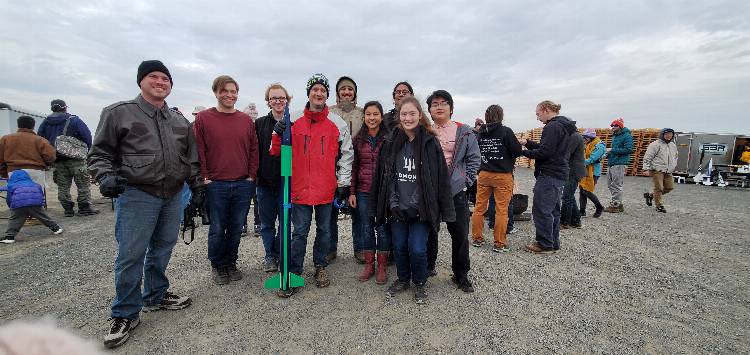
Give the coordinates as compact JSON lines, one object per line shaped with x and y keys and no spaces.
{"x":396,"y":287}
{"x":220,"y":276}
{"x":119,"y":331}
{"x":170,"y":302}
{"x":420,"y":294}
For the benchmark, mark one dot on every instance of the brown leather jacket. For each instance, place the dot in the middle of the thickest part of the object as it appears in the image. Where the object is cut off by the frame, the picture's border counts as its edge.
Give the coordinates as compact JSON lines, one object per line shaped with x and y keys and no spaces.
{"x":25,"y":150}
{"x":154,"y":149}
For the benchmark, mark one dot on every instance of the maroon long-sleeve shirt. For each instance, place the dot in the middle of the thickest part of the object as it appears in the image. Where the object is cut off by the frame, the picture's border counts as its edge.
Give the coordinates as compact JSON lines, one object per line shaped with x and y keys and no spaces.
{"x":227,"y":145}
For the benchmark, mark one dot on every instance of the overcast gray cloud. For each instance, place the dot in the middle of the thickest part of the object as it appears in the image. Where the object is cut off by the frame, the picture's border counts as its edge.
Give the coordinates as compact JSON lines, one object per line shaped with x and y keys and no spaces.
{"x":682,"y":64}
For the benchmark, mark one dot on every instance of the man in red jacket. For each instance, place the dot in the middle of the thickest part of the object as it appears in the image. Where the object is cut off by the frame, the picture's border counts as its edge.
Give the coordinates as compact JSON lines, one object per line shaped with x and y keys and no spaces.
{"x":228,"y":151}
{"x":318,"y":137}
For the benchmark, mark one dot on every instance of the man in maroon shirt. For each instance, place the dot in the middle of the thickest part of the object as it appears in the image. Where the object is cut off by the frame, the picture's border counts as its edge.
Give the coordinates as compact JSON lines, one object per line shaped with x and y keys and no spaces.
{"x":228,"y":152}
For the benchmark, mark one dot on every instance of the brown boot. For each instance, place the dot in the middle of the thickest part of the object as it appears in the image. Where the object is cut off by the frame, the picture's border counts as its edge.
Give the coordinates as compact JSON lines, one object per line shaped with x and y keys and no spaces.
{"x":369,"y":270}
{"x":381,"y":277}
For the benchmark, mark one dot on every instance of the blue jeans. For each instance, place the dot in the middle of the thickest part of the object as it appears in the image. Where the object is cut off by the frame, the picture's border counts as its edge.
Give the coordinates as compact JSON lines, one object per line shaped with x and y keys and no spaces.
{"x":301,"y":218}
{"x":546,"y":210}
{"x":410,"y":249}
{"x":146,"y":229}
{"x":228,"y":204}
{"x":570,"y":214}
{"x":366,"y":240}
{"x":269,"y":203}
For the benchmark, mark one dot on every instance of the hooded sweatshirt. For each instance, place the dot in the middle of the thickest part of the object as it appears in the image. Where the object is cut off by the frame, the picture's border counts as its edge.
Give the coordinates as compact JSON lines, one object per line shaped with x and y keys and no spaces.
{"x":661,"y":155}
{"x":499,"y":148}
{"x":622,"y":147}
{"x":53,"y":126}
{"x":551,"y":152}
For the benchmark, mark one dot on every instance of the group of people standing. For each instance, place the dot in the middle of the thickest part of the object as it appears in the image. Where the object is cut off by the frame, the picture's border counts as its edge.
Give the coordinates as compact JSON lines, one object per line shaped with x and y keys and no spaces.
{"x":402,"y":173}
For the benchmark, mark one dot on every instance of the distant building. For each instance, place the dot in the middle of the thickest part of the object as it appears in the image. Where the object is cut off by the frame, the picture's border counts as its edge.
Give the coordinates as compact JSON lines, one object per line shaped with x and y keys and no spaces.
{"x":9,"y":114}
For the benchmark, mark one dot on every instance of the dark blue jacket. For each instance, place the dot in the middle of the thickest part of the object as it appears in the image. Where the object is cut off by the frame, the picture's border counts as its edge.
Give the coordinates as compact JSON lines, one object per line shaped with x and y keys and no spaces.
{"x":24,"y":192}
{"x":53,"y":125}
{"x":552,"y":151}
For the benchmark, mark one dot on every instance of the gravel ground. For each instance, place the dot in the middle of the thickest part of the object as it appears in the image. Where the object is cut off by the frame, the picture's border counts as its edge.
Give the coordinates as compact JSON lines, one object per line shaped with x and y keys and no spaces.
{"x":636,"y":282}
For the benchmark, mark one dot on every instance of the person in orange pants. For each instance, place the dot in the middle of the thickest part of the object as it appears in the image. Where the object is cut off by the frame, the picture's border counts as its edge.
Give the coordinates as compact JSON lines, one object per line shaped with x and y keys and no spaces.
{"x":499,"y":149}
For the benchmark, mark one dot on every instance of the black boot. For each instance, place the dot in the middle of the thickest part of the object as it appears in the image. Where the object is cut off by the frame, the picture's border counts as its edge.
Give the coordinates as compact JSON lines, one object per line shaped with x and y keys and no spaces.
{"x":68,"y":207}
{"x":84,"y":209}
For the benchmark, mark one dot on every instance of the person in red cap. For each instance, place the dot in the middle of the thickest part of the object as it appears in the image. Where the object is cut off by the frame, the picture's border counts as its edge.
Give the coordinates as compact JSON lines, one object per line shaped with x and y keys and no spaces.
{"x":618,"y":158}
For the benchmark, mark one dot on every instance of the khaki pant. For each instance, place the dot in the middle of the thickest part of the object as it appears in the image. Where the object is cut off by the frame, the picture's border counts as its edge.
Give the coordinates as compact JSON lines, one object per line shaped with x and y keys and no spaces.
{"x":499,"y":185}
{"x":663,"y":183}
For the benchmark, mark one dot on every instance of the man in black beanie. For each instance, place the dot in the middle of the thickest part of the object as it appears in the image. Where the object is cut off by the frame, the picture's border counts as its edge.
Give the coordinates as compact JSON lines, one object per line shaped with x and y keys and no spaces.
{"x":143,"y":153}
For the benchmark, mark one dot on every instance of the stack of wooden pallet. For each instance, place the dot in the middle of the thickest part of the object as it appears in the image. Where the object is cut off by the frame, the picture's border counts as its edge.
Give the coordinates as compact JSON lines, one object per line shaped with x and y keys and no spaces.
{"x":645,"y":137}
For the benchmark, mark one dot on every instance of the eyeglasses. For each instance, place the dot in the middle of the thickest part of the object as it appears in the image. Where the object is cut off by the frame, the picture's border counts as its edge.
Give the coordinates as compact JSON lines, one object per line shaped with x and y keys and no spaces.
{"x":439,"y":104}
{"x":402,"y":92}
{"x":277,"y":99}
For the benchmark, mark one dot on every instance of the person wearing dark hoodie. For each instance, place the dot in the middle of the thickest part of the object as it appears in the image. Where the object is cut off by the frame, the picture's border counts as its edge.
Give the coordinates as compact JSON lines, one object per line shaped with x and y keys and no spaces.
{"x":551,"y":170}
{"x":408,"y":192}
{"x":25,"y":198}
{"x":400,"y":91}
{"x":346,"y":108}
{"x":499,"y":149}
{"x":570,"y":215}
{"x":367,"y":144}
{"x":67,"y":169}
{"x":659,"y":162}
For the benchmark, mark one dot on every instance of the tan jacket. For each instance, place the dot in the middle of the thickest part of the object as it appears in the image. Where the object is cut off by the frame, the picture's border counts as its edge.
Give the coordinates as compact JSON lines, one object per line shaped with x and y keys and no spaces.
{"x":353,"y":116}
{"x":25,"y":150}
{"x":661,"y":156}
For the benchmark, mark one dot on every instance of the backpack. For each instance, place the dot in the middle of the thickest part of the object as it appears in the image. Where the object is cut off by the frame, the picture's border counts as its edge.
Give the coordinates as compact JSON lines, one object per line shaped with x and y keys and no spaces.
{"x":69,"y":146}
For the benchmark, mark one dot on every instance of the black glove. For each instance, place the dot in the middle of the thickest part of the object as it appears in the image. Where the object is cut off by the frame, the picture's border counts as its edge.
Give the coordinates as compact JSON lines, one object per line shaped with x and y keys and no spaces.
{"x":279,"y":127}
{"x":112,"y":185}
{"x":342,"y":193}
{"x":398,"y":214}
{"x":199,"y":195}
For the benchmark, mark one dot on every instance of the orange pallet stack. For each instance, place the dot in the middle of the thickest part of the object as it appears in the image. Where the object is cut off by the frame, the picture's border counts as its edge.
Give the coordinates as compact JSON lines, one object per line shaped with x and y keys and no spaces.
{"x":647,"y":136}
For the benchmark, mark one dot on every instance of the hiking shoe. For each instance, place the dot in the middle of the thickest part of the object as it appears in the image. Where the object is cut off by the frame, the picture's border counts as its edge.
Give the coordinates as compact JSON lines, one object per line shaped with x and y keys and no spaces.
{"x":8,"y":240}
{"x":69,"y":213}
{"x":512,"y":230}
{"x":220,"y":275}
{"x":119,"y":331}
{"x":322,"y":279}
{"x":57,"y":231}
{"x":234,"y":274}
{"x":420,"y":294}
{"x":287,"y":293}
{"x":86,"y":210}
{"x":170,"y":302}
{"x":661,"y":209}
{"x":538,"y":249}
{"x":243,"y":232}
{"x":463,"y":283}
{"x":256,"y":231}
{"x":477,"y":243}
{"x":396,"y":287}
{"x":269,"y":265}
{"x":502,"y":249}
{"x":649,"y":198}
{"x":598,"y":212}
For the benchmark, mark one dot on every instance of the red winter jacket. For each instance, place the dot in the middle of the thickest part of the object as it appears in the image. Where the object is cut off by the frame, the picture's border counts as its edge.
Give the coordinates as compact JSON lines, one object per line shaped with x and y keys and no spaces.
{"x":315,"y":146}
{"x":365,"y":162}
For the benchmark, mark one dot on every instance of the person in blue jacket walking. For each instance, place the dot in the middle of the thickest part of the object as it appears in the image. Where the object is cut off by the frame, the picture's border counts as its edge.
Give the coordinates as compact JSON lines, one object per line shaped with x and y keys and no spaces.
{"x":618,"y":158}
{"x":25,"y":198}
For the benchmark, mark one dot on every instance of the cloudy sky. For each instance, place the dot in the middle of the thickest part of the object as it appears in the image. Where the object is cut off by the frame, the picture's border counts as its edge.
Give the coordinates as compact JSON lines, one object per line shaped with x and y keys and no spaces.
{"x":681,"y":64}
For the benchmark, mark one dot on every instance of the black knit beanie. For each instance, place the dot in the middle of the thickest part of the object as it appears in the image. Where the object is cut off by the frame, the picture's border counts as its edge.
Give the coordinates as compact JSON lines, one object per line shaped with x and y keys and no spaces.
{"x":148,"y":66}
